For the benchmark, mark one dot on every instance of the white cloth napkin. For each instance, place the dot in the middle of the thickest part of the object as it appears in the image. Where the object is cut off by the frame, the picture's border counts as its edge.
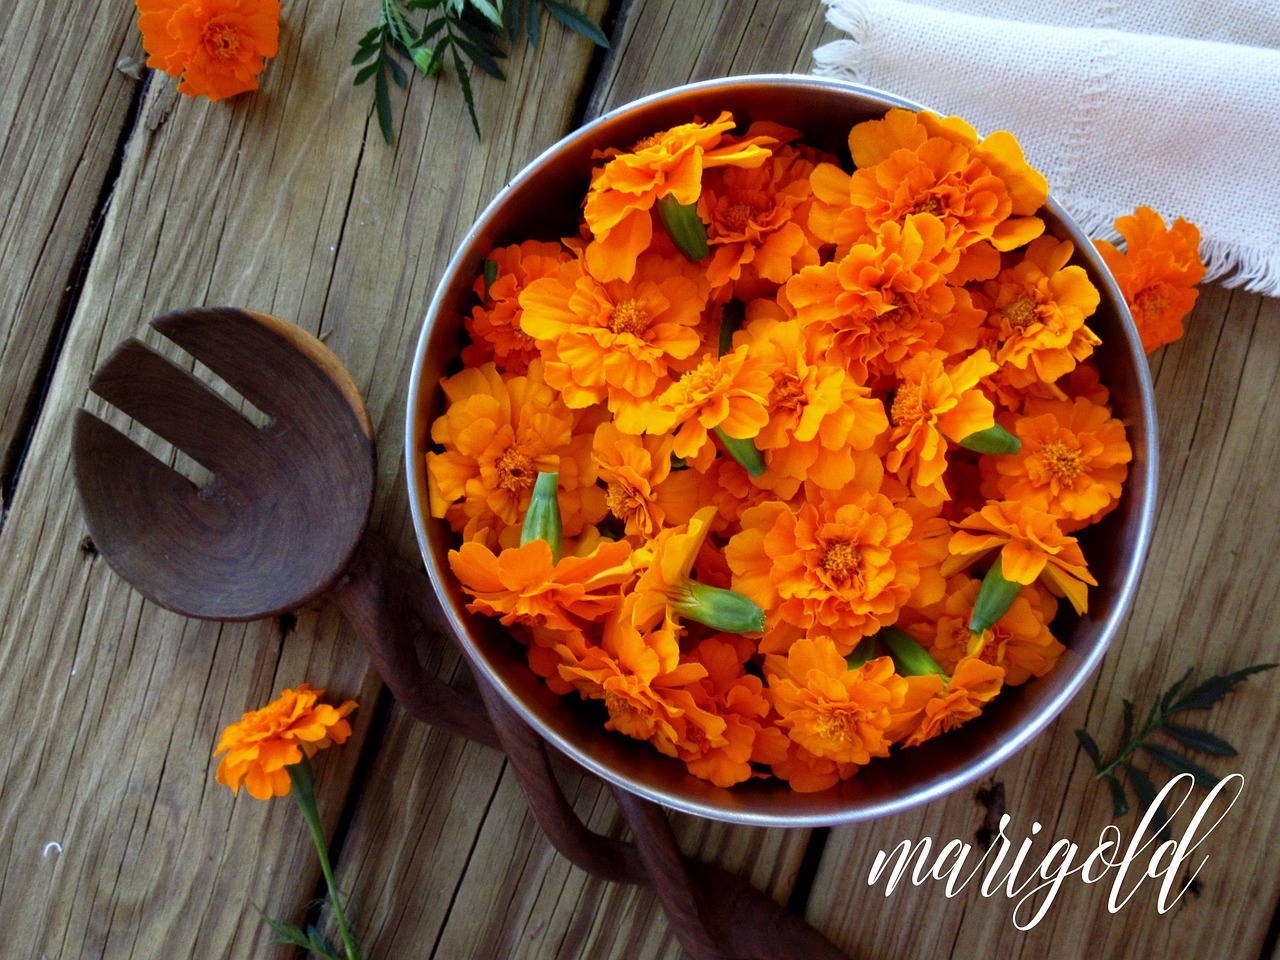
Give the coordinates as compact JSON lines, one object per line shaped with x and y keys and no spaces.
{"x":1171,"y":104}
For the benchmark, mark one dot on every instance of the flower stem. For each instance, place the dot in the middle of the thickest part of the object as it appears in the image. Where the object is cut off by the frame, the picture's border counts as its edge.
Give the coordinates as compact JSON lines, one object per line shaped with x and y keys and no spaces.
{"x":305,"y":793}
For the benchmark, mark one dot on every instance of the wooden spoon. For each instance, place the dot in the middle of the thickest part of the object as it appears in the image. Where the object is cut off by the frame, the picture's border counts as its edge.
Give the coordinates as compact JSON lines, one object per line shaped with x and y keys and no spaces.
{"x":283,"y":519}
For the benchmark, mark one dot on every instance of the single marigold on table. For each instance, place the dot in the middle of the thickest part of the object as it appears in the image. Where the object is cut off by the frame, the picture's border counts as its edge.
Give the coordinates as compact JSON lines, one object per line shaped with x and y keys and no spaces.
{"x":1156,"y":273}
{"x":216,"y":46}
{"x":264,"y":742}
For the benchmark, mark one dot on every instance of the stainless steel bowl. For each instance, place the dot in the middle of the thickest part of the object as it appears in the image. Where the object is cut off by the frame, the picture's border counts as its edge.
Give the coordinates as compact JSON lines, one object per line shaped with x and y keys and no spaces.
{"x":543,"y":202}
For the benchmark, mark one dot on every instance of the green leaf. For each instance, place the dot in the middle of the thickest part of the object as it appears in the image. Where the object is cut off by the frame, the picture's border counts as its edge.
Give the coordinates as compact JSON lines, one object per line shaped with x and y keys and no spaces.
{"x":1206,"y":694}
{"x":488,"y":11}
{"x":397,"y":73}
{"x":1173,"y":691}
{"x":480,"y":58}
{"x":382,"y":105}
{"x":1127,"y":733}
{"x":995,"y":597}
{"x":490,"y":278}
{"x":1090,"y":747}
{"x":1119,"y":803}
{"x":1146,"y":793}
{"x":1200,"y":740}
{"x":367,"y":71}
{"x":994,"y":439}
{"x":744,"y":451}
{"x":577,"y":21}
{"x":511,"y":11}
{"x":319,"y":944}
{"x":285,"y":932}
{"x":363,"y":53}
{"x":431,"y":29}
{"x":863,"y":652}
{"x":464,"y":81}
{"x":532,"y":25}
{"x":1180,"y":764}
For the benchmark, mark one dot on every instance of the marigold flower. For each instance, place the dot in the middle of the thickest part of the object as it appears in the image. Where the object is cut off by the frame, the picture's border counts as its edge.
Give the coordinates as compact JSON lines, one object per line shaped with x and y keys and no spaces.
{"x":908,"y":172}
{"x":829,"y":709}
{"x":840,"y":565}
{"x":730,"y":392}
{"x":1031,"y":545}
{"x":881,"y":300}
{"x":498,"y":434}
{"x":740,"y":699}
{"x":1038,"y":312}
{"x":216,"y":46}
{"x":1020,"y":642}
{"x":625,"y":188}
{"x":816,"y":410}
{"x":617,"y":341}
{"x":755,"y":220}
{"x":972,"y":685}
{"x":643,"y":491}
{"x":263,"y":742}
{"x":641,"y":679}
{"x":524,"y":585}
{"x":1156,"y":273}
{"x":494,"y":324}
{"x":1072,"y":464}
{"x":930,"y":405}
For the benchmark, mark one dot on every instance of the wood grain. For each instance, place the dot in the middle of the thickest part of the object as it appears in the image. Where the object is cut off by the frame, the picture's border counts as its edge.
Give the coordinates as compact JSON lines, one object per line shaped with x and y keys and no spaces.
{"x":62,"y":107}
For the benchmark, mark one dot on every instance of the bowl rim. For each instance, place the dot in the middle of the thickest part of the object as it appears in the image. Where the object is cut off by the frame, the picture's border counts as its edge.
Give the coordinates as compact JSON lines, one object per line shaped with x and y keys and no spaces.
{"x":984,"y":763}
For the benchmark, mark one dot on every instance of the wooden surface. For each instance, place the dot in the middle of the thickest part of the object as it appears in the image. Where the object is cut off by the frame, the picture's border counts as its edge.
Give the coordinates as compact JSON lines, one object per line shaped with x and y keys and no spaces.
{"x":123,"y":201}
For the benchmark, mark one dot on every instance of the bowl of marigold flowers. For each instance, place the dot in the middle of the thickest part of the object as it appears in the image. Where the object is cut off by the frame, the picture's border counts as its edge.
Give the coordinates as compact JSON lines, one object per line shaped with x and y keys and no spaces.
{"x":781,"y":451}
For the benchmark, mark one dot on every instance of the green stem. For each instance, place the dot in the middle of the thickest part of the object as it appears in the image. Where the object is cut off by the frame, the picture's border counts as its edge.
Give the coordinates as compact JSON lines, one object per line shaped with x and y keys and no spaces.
{"x":1147,"y":729}
{"x":304,"y":792}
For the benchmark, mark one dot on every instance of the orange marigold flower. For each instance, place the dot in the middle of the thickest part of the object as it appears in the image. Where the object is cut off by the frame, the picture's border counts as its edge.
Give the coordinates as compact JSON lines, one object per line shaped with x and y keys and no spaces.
{"x":1020,"y":641}
{"x":972,"y":685}
{"x":1038,"y":309}
{"x":216,"y":46}
{"x":523,"y":584}
{"x":816,"y":410}
{"x":738,"y":698}
{"x":730,"y":392}
{"x":494,"y":324}
{"x":668,"y":163}
{"x":263,"y":742}
{"x":1031,"y":544}
{"x":1156,"y":273}
{"x":643,"y":491}
{"x":981,"y":192}
{"x":829,"y":709}
{"x":839,"y":565}
{"x":930,"y":405}
{"x":642,"y":680}
{"x":1072,"y":464}
{"x":756,"y":223}
{"x":616,"y":341}
{"x":498,"y":434}
{"x":881,"y":300}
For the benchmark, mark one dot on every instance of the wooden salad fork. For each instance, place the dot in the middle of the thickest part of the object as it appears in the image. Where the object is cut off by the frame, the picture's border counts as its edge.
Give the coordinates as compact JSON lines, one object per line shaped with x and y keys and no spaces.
{"x":282,"y":522}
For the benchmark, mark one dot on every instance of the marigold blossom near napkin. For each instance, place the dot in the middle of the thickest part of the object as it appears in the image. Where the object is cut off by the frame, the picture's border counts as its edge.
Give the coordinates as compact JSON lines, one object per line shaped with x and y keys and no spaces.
{"x":1170,"y":104}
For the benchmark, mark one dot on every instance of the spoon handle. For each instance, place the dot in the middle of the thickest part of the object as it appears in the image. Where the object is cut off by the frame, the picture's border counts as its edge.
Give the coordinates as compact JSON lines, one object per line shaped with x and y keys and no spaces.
{"x":380,"y":597}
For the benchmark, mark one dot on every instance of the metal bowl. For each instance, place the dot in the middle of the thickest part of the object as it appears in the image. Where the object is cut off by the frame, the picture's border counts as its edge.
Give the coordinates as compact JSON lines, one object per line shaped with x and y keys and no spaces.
{"x":543,"y":202}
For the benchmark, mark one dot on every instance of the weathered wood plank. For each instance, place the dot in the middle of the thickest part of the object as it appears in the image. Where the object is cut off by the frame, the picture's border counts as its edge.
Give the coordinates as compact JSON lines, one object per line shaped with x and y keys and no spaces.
{"x":62,"y":120}
{"x":1208,"y":599}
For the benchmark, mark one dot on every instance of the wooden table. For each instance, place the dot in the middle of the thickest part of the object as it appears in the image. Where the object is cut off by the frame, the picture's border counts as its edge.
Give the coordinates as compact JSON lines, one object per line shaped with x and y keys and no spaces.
{"x":122,"y":200}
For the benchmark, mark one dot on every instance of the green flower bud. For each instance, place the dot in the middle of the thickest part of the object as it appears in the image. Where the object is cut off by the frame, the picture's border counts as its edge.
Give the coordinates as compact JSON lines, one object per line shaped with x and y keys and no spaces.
{"x":425,"y":60}
{"x":995,"y":597}
{"x":744,"y":451}
{"x":542,"y":519}
{"x":685,"y":227}
{"x":718,"y":608}
{"x":864,"y":651}
{"x":909,"y":658}
{"x":994,"y":439}
{"x":731,"y":316}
